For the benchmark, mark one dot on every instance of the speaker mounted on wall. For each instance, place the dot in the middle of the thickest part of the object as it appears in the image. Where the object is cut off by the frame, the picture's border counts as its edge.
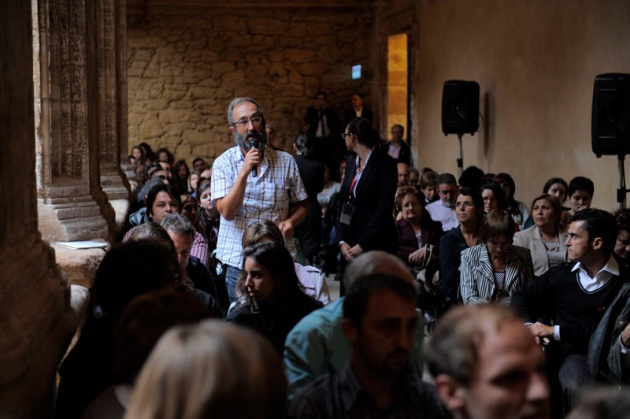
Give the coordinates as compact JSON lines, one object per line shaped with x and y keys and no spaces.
{"x":610,"y":122}
{"x":460,"y":107}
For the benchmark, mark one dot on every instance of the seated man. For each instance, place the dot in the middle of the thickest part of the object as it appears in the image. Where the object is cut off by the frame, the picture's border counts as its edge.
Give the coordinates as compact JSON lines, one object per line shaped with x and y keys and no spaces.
{"x":379,"y":321}
{"x":317,"y":345}
{"x":182,"y":232}
{"x":487,"y":366}
{"x":162,"y":199}
{"x":443,"y":210}
{"x":573,"y":297}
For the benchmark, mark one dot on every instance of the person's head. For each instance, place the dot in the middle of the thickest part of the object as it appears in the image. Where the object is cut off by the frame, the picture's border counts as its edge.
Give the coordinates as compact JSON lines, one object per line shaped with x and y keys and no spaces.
{"x":471,"y":177}
{"x":622,"y":244}
{"x":205,"y":200}
{"x":199,"y":165}
{"x":580,"y":193}
{"x":162,"y":199}
{"x":247,"y":123}
{"x":181,"y":170}
{"x":360,"y":131}
{"x":357,"y":101}
{"x":182,"y":232}
{"x":151,"y":231}
{"x":487,"y":365}
{"x":141,"y":175}
{"x":469,"y":206}
{"x":268,"y":273}
{"x":497,"y":232}
{"x":210,"y":370}
{"x":190,"y":208}
{"x":146,"y":149}
{"x":428,"y":185}
{"x":447,"y":189}
{"x":403,"y":174}
{"x":505,"y":181}
{"x":206,"y":174}
{"x":320,"y":99}
{"x":412,"y":204}
{"x":379,"y":320}
{"x":602,"y":403}
{"x":375,"y":262}
{"x":143,"y":321}
{"x":262,"y":231}
{"x":193,"y":181}
{"x":556,"y":187}
{"x":155,"y":169}
{"x":131,"y":269}
{"x":414,"y":176}
{"x":164,"y":155}
{"x":493,"y":197}
{"x":546,"y":211}
{"x":138,"y":154}
{"x":166,"y":167}
{"x":397,"y":133}
{"x":592,"y":233}
{"x":304,"y":144}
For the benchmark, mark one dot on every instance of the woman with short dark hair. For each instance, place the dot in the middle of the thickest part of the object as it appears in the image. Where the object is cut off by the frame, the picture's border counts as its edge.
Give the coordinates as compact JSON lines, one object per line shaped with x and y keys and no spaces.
{"x":493,"y":270}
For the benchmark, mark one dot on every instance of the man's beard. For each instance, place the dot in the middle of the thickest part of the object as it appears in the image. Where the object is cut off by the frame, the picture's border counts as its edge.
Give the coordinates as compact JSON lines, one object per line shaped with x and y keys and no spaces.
{"x":244,"y":141}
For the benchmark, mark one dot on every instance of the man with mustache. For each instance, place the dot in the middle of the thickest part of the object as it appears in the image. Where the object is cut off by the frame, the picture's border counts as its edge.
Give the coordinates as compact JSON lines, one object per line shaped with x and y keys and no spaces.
{"x":253,"y":183}
{"x":379,"y":321}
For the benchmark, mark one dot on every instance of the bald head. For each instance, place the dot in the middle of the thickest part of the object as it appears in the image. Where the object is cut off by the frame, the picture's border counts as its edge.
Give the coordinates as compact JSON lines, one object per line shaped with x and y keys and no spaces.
{"x":376,"y":262}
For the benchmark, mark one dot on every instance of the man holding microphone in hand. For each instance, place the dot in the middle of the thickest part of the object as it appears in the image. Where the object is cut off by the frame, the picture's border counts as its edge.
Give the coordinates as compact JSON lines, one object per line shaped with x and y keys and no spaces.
{"x":253,"y":183}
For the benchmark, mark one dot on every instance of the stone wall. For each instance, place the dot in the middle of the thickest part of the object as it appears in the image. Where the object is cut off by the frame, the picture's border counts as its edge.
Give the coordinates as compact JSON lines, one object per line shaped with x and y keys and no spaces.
{"x":185,"y":69}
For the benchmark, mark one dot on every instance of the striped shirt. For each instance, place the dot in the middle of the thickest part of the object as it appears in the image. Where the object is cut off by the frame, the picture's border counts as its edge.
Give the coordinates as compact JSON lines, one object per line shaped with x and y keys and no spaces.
{"x":267,"y":196}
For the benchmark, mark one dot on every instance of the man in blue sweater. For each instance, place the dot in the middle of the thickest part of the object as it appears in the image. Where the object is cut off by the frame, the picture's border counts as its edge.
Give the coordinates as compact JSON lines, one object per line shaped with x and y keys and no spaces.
{"x":563,"y":306}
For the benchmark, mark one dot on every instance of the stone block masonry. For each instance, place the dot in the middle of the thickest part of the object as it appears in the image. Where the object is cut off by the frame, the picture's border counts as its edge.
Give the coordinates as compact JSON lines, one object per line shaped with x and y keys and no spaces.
{"x":185,"y":69}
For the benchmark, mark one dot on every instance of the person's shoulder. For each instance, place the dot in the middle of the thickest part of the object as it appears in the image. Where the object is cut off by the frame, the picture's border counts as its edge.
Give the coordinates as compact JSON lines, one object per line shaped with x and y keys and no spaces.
{"x":311,"y":400}
{"x":320,"y":320}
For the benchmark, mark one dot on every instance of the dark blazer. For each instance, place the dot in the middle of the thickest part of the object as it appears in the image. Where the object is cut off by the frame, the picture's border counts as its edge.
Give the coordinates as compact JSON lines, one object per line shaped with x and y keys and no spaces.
{"x":407,"y":242}
{"x":334,"y":123}
{"x":405,"y":152}
{"x":372,"y":225}
{"x":350,"y":114}
{"x":309,"y":231}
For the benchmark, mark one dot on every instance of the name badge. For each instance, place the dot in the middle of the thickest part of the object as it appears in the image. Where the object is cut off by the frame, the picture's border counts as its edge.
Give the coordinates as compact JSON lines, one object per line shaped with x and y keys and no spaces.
{"x":347,"y":210}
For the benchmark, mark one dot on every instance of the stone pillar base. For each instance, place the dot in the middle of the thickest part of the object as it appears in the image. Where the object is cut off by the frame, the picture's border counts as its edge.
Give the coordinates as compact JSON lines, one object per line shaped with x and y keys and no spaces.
{"x":71,"y":219}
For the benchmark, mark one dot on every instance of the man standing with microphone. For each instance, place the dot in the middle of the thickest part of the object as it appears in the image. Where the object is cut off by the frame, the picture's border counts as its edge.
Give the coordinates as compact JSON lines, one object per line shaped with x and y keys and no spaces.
{"x":252,"y":183}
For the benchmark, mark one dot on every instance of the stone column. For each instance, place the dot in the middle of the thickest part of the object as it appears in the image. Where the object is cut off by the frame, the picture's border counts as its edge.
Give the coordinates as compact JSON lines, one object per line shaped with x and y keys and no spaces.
{"x":35,"y":306}
{"x":71,"y":203}
{"x":113,"y":180}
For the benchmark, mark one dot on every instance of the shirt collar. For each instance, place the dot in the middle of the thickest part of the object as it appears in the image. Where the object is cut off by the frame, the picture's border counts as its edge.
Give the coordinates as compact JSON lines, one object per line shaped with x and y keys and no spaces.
{"x":611,"y":267}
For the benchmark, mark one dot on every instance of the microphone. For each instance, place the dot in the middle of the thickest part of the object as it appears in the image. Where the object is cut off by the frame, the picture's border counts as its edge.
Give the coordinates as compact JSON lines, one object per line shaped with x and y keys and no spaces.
{"x":255,"y":144}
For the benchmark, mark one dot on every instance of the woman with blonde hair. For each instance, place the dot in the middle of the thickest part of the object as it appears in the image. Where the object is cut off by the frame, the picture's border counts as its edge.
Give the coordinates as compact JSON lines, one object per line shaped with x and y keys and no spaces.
{"x":210,"y":370}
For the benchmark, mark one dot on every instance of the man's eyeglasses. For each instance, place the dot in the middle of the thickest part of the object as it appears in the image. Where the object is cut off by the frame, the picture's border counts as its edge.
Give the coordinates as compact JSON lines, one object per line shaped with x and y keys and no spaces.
{"x":345,"y":134}
{"x":256,"y":121}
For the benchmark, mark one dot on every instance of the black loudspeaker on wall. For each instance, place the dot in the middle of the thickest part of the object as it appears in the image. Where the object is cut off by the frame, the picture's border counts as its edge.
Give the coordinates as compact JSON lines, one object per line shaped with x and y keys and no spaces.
{"x":610,"y":123}
{"x":460,"y":107}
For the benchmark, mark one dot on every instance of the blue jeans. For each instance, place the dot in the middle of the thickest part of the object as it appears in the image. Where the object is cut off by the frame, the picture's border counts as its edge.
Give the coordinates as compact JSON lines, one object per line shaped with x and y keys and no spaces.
{"x":231,"y":276}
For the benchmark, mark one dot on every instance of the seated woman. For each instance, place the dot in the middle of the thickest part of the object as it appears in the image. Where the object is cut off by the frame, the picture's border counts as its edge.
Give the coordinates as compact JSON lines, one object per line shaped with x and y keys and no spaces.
{"x":517,"y":209}
{"x":275,"y":299}
{"x":416,"y":229}
{"x":469,"y":210}
{"x":545,"y":239}
{"x":210,"y":370}
{"x":556,"y":188}
{"x":190,"y":210}
{"x":310,"y":277}
{"x":493,"y":197}
{"x":493,"y":270}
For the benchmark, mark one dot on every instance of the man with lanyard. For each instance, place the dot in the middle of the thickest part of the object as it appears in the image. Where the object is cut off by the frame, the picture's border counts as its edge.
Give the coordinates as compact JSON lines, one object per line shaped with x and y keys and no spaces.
{"x":253,"y":183}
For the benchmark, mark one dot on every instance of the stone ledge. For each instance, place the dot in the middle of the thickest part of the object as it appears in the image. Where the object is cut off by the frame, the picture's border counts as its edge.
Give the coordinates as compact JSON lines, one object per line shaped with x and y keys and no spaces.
{"x":80,"y":265}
